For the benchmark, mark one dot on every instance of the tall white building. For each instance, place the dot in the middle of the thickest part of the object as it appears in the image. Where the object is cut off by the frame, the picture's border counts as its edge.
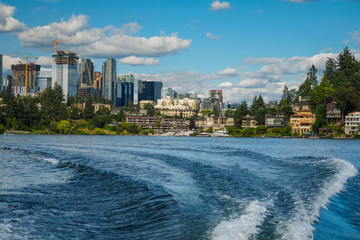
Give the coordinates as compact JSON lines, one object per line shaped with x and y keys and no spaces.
{"x":65,"y":72}
{"x":352,"y":121}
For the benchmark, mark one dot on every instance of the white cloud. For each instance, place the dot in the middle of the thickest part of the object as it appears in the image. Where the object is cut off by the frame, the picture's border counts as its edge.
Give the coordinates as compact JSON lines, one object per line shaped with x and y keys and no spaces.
{"x":228,"y":71}
{"x":225,"y":84}
{"x":212,"y":36}
{"x":138,"y":61}
{"x":253,"y":83}
{"x":217,"y":5}
{"x":345,"y":41}
{"x":101,"y":43}
{"x":44,"y":61}
{"x":7,"y":22}
{"x":8,"y":61}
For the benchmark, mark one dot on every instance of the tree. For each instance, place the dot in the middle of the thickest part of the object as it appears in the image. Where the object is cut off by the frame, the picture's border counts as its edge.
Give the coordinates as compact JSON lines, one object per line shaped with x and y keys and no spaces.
{"x":192,"y":124}
{"x":260,"y":115}
{"x":240,"y":113}
{"x":216,"y":111}
{"x":305,"y":88}
{"x":150,"y":109}
{"x":229,"y":113}
{"x":312,"y":76}
{"x":330,"y":71}
{"x":288,"y":96}
{"x":89,"y":110}
{"x":206,"y":113}
{"x":64,"y":127}
{"x":345,"y":98}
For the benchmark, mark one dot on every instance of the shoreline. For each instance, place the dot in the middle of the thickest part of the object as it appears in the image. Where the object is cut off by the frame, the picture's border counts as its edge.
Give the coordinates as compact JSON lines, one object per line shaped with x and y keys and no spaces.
{"x":159,"y":135}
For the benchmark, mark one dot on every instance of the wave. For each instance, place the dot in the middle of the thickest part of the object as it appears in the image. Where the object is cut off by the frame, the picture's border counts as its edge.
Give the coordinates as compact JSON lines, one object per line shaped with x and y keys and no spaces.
{"x":245,"y":227}
{"x":301,"y":225}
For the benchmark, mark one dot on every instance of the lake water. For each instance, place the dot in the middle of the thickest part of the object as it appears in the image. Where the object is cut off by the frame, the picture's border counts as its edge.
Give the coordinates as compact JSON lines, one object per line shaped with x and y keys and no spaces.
{"x":134,"y":187}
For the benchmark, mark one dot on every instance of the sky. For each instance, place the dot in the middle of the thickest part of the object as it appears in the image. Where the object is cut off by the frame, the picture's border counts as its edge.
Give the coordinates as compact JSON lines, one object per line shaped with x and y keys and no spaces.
{"x":244,"y":48}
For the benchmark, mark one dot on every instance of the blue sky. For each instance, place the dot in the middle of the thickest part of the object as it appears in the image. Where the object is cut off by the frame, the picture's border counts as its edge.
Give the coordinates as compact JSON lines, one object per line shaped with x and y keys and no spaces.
{"x":245,"y":48}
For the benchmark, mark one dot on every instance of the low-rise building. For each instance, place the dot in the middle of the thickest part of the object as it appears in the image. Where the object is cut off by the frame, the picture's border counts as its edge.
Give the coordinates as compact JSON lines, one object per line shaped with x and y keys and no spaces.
{"x":249,"y":122}
{"x":333,"y":114}
{"x":217,"y":123}
{"x":352,"y":121}
{"x":302,"y":121}
{"x":276,"y":119}
{"x":157,"y":122}
{"x":97,"y":106}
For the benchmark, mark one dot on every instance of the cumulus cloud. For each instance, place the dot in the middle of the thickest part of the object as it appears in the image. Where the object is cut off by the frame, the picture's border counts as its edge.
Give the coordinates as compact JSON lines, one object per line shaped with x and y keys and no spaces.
{"x":253,"y":83}
{"x":228,"y":71}
{"x":8,"y":61}
{"x":356,"y":37}
{"x":101,"y":43}
{"x":218,"y":6}
{"x":138,"y":61}
{"x":225,"y":84}
{"x":44,"y":61}
{"x":7,"y":22}
{"x":212,"y":36}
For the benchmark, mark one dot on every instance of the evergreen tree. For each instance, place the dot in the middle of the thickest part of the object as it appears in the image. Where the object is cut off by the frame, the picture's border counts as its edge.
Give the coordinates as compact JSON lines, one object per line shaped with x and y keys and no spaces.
{"x":240,"y":113}
{"x":305,"y":88}
{"x":89,"y":110}
{"x":330,"y":71}
{"x":311,"y":75}
{"x":288,"y":96}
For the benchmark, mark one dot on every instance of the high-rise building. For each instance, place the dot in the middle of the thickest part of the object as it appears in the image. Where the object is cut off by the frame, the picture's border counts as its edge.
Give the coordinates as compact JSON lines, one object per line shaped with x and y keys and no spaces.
{"x":124,"y":92}
{"x":42,"y":83}
{"x":216,"y":94}
{"x":97,"y":82}
{"x":168,"y":92}
{"x":109,"y":79}
{"x":86,"y":68}
{"x":1,"y":66}
{"x":19,"y":78}
{"x":65,"y":72}
{"x":149,"y":90}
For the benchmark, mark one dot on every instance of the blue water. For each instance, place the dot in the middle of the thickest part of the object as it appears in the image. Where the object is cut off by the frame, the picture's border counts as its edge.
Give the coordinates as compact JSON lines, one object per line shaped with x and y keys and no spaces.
{"x":131,"y":187}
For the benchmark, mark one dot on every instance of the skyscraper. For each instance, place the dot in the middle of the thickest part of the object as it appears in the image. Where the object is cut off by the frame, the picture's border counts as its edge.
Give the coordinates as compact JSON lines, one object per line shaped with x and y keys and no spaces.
{"x":124,"y":92}
{"x":1,"y":67}
{"x":1,"y":78}
{"x":86,"y":68}
{"x":64,"y":72}
{"x":149,"y":90}
{"x":19,"y":77}
{"x":109,"y":78}
{"x":168,"y":92}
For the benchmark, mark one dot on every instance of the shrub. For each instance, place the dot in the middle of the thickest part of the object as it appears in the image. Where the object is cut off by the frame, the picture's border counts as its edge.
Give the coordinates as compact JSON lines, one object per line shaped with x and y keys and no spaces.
{"x":99,"y":131}
{"x":2,"y":129}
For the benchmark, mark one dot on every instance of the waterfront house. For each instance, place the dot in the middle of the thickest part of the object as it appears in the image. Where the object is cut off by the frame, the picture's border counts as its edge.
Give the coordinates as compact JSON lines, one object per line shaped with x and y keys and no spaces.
{"x":333,"y":114}
{"x":249,"y":122}
{"x":352,"y":121}
{"x":302,"y":121}
{"x":276,"y":119}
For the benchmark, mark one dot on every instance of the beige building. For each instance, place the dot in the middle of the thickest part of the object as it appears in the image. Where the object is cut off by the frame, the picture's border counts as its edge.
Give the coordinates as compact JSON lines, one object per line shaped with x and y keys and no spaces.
{"x":217,"y":123}
{"x":178,"y":104}
{"x":302,"y":121}
{"x":177,"y":107}
{"x":143,"y":102}
{"x":97,"y":106}
{"x":249,"y":122}
{"x":352,"y":121}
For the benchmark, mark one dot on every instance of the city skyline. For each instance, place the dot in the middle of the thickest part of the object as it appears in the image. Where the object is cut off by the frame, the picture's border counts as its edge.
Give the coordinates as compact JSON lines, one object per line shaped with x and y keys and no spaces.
{"x":244,"y":49}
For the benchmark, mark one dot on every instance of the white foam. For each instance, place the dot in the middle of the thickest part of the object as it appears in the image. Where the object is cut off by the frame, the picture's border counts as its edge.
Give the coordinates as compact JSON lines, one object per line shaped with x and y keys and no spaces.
{"x":51,"y":160}
{"x":244,"y":227}
{"x":301,"y":225}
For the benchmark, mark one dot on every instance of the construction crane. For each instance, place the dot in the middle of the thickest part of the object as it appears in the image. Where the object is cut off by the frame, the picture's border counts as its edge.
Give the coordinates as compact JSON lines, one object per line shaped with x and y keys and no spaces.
{"x":26,"y":68}
{"x":87,"y":66}
{"x":57,"y":42}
